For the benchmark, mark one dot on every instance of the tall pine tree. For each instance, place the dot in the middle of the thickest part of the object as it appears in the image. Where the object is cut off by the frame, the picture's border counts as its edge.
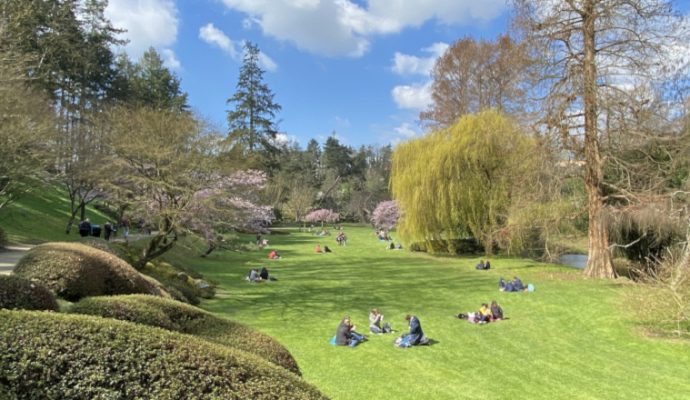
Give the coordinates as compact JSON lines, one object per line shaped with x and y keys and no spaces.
{"x":251,"y":121}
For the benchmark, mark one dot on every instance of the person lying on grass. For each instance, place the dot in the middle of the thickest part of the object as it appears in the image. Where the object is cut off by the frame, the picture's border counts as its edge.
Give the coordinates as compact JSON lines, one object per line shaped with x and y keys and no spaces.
{"x":345,"y":335}
{"x":515,"y":285}
{"x":326,"y":249}
{"x":376,"y":324}
{"x":415,"y":336}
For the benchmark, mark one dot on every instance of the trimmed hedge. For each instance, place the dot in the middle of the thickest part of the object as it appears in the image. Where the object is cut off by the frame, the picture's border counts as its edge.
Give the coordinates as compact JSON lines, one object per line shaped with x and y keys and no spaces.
{"x":180,"y":317}
{"x":74,"y":270}
{"x":58,"y":356}
{"x":19,"y":293}
{"x":180,"y":285}
{"x":3,"y":240}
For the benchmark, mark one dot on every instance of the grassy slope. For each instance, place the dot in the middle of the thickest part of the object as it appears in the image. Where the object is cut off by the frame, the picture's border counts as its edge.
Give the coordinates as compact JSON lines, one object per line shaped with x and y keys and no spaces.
{"x":42,"y":216}
{"x":571,"y":338}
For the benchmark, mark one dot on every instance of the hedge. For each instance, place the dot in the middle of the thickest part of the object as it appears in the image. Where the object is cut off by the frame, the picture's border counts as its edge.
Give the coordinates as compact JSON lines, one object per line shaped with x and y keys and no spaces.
{"x":19,"y":293}
{"x":3,"y":238}
{"x":74,"y":270}
{"x":180,"y":317}
{"x":59,"y":356}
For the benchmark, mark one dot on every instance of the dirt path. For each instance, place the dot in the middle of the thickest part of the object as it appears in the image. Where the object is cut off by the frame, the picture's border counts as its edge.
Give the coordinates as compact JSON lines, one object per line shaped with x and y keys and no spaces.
{"x":10,"y":256}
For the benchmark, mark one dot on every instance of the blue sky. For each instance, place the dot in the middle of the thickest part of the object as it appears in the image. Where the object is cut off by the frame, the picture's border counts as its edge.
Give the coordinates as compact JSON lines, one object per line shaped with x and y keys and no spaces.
{"x":356,"y":67}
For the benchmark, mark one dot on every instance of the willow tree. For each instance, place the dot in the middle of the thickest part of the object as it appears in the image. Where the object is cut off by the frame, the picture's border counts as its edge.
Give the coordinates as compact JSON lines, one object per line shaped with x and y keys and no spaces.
{"x":461,"y":180}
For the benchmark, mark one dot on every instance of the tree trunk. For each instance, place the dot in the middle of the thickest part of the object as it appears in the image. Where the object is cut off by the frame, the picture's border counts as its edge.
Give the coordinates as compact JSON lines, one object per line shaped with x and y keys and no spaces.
{"x":599,"y":263}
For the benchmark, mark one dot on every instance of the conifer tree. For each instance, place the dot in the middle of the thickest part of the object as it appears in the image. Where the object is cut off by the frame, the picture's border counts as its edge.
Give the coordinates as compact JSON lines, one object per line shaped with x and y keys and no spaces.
{"x":251,"y":121}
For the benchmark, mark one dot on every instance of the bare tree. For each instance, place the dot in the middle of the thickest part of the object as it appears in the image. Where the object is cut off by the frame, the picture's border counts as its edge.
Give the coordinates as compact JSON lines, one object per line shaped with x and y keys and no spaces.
{"x":589,"y":48}
{"x":475,"y":75}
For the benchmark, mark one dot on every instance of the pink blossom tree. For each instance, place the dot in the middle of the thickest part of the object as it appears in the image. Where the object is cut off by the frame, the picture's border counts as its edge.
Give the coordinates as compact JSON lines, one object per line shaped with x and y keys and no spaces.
{"x":322,"y":215}
{"x":386,"y":215}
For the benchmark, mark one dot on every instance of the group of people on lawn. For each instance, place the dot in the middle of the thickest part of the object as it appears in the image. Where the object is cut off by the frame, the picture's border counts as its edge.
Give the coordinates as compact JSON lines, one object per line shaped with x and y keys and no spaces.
{"x":346,"y":334}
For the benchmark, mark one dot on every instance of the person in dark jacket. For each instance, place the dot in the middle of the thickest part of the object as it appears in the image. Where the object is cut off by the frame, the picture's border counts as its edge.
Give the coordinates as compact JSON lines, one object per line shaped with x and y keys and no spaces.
{"x":481,"y":265}
{"x":345,"y":335}
{"x":263,"y":274}
{"x":496,"y":311}
{"x":85,"y":228}
{"x":107,"y":230}
{"x":415,"y":336}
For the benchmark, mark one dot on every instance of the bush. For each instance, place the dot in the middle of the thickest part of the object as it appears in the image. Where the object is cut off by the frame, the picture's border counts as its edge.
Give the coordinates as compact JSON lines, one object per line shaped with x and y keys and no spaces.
{"x":58,"y":356}
{"x":17,"y":292}
{"x":180,"y":317}
{"x":74,"y":270}
{"x":179,"y":283}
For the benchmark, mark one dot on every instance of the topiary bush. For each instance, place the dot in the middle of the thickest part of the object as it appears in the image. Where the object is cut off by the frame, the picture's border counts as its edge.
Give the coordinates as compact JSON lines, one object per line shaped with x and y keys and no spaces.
{"x":19,"y":293}
{"x":178,"y":282}
{"x":74,"y":270}
{"x":59,"y":356}
{"x":180,"y":317}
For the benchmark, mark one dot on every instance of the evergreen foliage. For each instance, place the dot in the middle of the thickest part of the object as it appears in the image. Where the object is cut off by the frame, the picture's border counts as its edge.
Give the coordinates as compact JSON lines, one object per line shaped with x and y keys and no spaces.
{"x":180,"y":317}
{"x":19,"y":293}
{"x":251,"y":121}
{"x":57,"y":356}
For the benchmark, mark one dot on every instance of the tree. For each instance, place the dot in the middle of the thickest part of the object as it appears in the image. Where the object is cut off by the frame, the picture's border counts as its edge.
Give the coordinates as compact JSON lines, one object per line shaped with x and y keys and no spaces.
{"x":590,"y":47}
{"x":472,"y":76}
{"x":386,"y":215}
{"x":26,"y":129}
{"x":462,"y":180}
{"x":322,"y":215}
{"x":166,"y":157}
{"x":251,"y":121}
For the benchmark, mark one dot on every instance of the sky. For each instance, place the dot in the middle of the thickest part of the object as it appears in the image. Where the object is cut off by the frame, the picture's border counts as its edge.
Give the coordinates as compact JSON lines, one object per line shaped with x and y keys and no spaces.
{"x":356,"y":68}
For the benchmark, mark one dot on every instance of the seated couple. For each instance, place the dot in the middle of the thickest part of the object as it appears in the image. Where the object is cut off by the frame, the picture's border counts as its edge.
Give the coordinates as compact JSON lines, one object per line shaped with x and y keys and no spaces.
{"x":376,"y":324}
{"x":273,"y":255}
{"x":317,"y":249}
{"x":485,"y":314}
{"x":258,"y":276}
{"x":515,"y":285}
{"x":345,"y":335}
{"x":483,"y":265}
{"x":415,"y":337}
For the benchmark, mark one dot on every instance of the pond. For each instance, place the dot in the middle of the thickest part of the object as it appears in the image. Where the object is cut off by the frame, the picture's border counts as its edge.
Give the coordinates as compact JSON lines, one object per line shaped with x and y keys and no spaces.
{"x":573,"y":260}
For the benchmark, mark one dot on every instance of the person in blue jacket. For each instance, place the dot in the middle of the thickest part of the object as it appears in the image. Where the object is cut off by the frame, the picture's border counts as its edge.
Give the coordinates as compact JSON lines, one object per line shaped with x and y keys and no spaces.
{"x":415,"y":336}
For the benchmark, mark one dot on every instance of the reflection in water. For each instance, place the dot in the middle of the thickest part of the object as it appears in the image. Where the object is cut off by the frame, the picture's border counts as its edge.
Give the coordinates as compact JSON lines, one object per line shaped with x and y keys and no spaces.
{"x":573,"y":260}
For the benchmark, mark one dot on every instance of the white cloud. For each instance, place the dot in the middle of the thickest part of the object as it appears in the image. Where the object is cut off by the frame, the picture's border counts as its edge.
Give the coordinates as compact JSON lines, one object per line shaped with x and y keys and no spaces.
{"x":267,"y":62}
{"x":405,"y":130}
{"x":215,"y":37}
{"x":404,"y":64}
{"x":415,"y":97}
{"x":343,"y":27}
{"x":149,"y":23}
{"x":170,"y":60}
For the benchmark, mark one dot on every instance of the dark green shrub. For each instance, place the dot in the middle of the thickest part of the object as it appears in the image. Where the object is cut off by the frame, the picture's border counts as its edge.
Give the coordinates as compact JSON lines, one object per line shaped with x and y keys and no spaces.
{"x":180,"y":317}
{"x":58,"y":356}
{"x":74,"y":270}
{"x":17,"y":292}
{"x":179,"y":282}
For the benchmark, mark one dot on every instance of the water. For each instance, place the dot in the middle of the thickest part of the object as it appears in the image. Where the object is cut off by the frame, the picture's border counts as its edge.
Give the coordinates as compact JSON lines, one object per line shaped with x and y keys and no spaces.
{"x":573,"y":260}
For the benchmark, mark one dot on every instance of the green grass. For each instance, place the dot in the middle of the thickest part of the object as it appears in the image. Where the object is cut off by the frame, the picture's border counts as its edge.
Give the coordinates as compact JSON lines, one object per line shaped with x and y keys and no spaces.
{"x":41,"y":216}
{"x":572,"y":338}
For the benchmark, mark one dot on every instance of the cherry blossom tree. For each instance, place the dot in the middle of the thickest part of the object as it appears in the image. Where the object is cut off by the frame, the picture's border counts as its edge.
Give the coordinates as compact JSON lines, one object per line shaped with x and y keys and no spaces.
{"x":322,"y":215}
{"x":386,"y":215}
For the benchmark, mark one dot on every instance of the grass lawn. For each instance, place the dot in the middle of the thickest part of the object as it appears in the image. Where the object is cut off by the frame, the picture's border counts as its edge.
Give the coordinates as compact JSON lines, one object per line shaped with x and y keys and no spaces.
{"x":572,"y":338}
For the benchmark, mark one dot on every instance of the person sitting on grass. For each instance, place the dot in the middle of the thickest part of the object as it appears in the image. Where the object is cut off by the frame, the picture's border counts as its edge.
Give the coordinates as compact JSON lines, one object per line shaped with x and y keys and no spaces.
{"x":415,"y":336}
{"x":481,"y":265}
{"x":253,"y":276}
{"x":273,"y":255}
{"x":496,"y":311}
{"x":317,"y":249}
{"x":484,"y":314}
{"x":376,"y":324}
{"x":487,"y":264}
{"x":263,"y":274}
{"x":345,"y":335}
{"x":326,"y":249}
